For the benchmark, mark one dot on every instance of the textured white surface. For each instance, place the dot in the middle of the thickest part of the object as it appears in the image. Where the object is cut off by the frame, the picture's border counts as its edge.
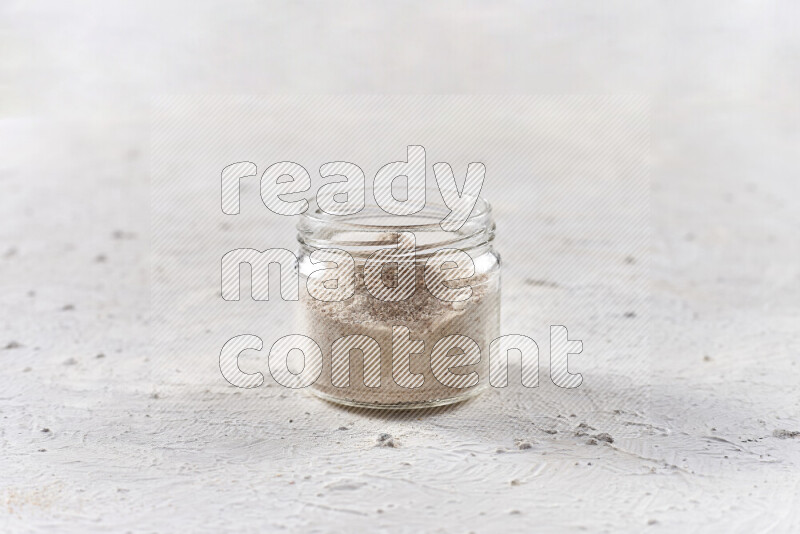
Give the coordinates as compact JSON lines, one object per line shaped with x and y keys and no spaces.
{"x":129,"y":449}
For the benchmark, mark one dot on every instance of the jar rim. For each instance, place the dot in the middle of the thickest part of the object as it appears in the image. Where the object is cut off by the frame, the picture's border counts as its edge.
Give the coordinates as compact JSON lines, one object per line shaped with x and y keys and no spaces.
{"x":482,"y":210}
{"x":319,"y":229}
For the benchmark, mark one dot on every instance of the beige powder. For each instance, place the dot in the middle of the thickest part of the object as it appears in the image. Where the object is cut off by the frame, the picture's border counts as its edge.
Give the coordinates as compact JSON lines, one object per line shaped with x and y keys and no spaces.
{"x":428,"y":319}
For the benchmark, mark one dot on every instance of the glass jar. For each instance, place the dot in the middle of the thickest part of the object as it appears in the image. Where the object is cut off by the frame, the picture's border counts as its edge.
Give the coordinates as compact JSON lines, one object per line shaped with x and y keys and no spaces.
{"x":357,"y":334}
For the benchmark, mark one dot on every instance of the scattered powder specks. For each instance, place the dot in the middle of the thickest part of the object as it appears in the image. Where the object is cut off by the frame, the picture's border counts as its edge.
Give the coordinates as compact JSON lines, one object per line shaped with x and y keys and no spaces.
{"x":605,"y":436}
{"x":386,"y":440}
{"x":121,"y":234}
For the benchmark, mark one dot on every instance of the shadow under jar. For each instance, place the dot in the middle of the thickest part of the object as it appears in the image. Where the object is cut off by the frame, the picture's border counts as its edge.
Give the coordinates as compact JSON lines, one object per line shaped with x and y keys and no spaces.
{"x":362,"y":373}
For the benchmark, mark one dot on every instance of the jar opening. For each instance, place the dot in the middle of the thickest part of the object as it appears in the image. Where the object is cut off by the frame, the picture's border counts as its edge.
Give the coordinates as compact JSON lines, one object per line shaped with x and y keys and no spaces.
{"x":372,"y":228}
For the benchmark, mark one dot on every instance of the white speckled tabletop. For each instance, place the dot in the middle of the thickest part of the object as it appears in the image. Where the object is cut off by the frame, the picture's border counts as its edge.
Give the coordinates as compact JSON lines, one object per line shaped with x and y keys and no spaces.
{"x":100,"y":432}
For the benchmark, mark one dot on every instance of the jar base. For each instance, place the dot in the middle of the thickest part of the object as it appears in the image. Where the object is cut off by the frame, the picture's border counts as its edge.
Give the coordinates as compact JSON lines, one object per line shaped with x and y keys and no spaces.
{"x":413,"y":405}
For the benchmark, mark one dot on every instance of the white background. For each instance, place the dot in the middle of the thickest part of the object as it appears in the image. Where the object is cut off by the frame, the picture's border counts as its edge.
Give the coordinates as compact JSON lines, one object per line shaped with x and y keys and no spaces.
{"x":129,"y":448}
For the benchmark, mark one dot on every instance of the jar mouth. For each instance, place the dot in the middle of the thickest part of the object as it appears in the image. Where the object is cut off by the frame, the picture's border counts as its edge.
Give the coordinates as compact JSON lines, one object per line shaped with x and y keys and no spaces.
{"x":372,"y":228}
